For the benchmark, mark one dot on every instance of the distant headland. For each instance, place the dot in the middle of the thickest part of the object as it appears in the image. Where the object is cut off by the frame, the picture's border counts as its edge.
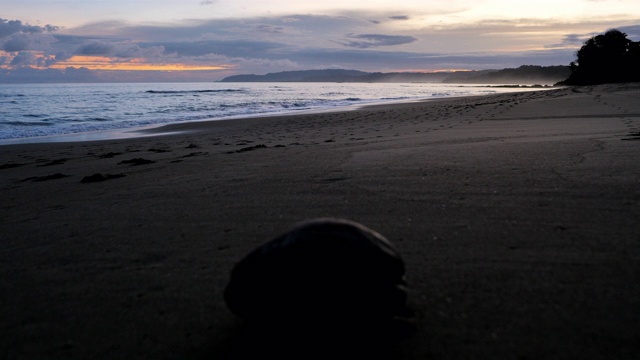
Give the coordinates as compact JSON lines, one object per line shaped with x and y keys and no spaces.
{"x":526,"y":74}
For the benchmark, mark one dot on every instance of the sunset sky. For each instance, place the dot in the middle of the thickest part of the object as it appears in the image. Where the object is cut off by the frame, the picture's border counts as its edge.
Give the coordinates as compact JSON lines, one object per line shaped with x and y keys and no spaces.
{"x":196,"y":40}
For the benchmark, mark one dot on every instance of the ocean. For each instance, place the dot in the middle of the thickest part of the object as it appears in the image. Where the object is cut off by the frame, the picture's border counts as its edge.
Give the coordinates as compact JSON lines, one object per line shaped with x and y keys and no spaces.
{"x":67,"y":112}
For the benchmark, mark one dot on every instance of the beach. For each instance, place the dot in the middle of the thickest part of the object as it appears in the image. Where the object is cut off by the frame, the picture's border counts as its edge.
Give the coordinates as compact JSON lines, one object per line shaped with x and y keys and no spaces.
{"x":516,"y":215}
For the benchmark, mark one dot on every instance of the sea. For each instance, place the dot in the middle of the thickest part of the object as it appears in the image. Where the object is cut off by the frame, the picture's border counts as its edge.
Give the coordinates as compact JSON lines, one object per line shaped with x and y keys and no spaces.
{"x":31,"y":113}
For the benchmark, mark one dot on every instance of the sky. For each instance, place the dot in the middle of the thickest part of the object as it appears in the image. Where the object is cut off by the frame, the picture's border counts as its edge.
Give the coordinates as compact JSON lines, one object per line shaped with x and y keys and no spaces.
{"x":207,"y":40}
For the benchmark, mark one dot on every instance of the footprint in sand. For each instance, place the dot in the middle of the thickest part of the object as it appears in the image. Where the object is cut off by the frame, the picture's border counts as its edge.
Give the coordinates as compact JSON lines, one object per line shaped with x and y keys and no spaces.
{"x":632,"y":136}
{"x":200,"y":153}
{"x":136,"y":162}
{"x":11,"y":165}
{"x":250,"y":148}
{"x":46,"y":178}
{"x":108,"y":155}
{"x":54,"y":162}
{"x":100,"y":178}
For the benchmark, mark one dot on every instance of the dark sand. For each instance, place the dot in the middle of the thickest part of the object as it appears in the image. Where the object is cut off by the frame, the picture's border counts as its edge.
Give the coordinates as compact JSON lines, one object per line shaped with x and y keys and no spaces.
{"x":517,"y":216}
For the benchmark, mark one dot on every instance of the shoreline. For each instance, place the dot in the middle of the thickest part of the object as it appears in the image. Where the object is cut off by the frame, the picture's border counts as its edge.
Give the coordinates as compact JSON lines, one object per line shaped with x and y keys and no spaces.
{"x":516,"y":215}
{"x":142,"y":131}
{"x":157,"y":130}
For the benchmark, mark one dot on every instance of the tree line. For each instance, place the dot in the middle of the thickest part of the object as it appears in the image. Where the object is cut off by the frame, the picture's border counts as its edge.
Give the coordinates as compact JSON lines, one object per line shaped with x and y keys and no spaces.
{"x":606,"y":58}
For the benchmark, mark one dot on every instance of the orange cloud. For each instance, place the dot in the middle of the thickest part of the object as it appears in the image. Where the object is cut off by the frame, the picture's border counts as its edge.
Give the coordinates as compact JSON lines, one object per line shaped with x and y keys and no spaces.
{"x":109,"y":64}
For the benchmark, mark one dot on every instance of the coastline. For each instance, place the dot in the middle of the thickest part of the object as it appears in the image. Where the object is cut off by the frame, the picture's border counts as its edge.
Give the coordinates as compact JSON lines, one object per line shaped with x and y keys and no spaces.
{"x":166,"y":129}
{"x":516,"y":215}
{"x":185,"y":105}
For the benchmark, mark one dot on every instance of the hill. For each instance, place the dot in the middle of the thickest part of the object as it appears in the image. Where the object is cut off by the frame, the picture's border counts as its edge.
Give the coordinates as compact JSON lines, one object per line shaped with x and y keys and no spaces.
{"x":527,"y":74}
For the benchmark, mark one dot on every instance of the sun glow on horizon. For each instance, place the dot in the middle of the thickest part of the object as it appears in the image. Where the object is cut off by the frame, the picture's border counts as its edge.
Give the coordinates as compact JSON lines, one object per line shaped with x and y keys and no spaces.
{"x":104,"y":63}
{"x":109,"y":64}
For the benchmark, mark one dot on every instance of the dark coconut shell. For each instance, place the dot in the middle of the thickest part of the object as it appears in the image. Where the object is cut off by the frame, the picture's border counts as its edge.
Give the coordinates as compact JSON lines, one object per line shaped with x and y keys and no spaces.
{"x":321,"y":271}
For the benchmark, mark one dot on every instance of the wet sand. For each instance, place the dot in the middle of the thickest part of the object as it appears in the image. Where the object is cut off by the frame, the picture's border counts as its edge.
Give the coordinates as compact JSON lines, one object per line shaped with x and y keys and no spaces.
{"x":516,"y":215}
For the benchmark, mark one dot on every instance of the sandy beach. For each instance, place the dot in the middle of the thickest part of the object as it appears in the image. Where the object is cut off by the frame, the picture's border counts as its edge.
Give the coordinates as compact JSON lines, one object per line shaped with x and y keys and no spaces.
{"x":516,"y":216}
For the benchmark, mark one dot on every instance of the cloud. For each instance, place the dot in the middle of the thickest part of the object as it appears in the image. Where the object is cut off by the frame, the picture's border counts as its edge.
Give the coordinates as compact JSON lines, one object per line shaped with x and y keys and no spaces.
{"x":24,"y":58}
{"x":633,"y":32}
{"x":95,"y":48}
{"x":16,"y":37}
{"x":269,"y":29}
{"x":17,"y":42}
{"x":231,"y":48}
{"x":297,"y":42}
{"x":28,"y":59}
{"x":24,"y":75}
{"x":573,"y":39}
{"x":208,"y":2}
{"x":251,"y":64}
{"x":374,"y":40}
{"x":577,"y":40}
{"x":156,"y":53}
{"x":570,"y":40}
{"x":10,"y":27}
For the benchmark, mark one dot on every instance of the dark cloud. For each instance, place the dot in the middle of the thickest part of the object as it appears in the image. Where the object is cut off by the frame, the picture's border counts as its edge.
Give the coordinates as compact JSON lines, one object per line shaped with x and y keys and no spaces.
{"x":573,"y":39}
{"x":374,"y":40}
{"x":113,"y":48}
{"x":95,"y":48}
{"x":24,"y":75}
{"x":27,"y":59}
{"x":24,"y":58}
{"x":62,"y":55}
{"x":17,"y":42}
{"x":68,"y":45}
{"x":633,"y":32}
{"x":10,"y":27}
{"x":207,"y":2}
{"x":230,"y":48}
{"x":269,"y":29}
{"x":64,"y":47}
{"x":399,"y":17}
{"x":577,"y":40}
{"x":241,"y":29}
{"x":137,"y":51}
{"x":50,"y":60}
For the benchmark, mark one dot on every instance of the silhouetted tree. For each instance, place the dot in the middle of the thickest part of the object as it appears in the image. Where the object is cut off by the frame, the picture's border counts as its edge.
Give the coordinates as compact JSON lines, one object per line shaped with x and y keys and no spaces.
{"x":607,"y":58}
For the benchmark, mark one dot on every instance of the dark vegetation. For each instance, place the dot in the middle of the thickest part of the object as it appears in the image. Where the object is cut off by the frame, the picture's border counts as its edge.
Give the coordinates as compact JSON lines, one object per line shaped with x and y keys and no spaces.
{"x":606,"y":58}
{"x":526,"y":74}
